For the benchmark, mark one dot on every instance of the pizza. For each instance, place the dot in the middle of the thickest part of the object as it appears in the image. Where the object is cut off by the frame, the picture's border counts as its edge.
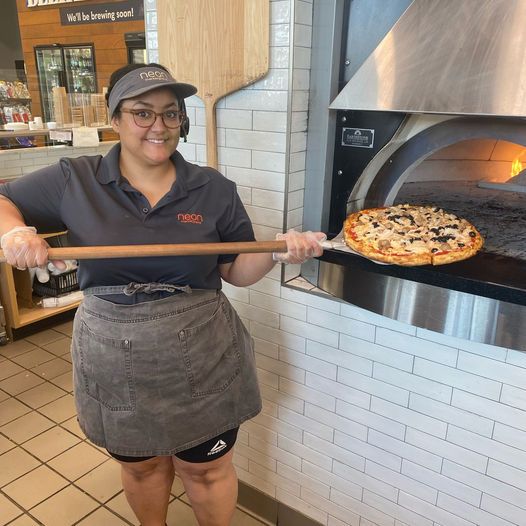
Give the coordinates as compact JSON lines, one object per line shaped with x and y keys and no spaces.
{"x":411,"y":235}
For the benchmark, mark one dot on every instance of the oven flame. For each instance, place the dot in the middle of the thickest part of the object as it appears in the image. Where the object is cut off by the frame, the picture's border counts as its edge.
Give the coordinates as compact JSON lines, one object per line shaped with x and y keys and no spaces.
{"x":516,"y":168}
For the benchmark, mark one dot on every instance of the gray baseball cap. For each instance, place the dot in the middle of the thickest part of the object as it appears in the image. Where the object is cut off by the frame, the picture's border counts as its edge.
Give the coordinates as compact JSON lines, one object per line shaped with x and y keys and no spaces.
{"x":142,"y":80}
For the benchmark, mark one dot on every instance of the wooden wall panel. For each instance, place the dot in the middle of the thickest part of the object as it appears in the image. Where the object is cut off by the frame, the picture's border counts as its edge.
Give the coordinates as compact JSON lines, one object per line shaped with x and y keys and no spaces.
{"x":41,"y":26}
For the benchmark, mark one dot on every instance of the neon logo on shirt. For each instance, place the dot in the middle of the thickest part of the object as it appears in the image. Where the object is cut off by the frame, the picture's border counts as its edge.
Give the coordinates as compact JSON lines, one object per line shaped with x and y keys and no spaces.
{"x":190,"y":218}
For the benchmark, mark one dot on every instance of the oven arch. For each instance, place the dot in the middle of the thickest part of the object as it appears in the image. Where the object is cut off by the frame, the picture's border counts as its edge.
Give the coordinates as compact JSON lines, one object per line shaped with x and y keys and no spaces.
{"x":379,"y":186}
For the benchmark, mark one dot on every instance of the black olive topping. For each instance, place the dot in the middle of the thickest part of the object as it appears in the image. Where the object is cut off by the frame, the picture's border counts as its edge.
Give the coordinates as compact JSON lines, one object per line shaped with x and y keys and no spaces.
{"x":442,"y":239}
{"x":472,"y":234}
{"x":434,"y":250}
{"x":394,"y":217}
{"x":461,"y":245}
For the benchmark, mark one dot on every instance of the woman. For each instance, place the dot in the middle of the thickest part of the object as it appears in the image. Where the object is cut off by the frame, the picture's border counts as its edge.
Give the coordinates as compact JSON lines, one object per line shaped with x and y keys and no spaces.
{"x":163,"y":367}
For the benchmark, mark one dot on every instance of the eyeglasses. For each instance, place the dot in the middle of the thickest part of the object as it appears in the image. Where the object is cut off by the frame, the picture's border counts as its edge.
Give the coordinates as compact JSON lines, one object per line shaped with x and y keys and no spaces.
{"x":147,"y":118}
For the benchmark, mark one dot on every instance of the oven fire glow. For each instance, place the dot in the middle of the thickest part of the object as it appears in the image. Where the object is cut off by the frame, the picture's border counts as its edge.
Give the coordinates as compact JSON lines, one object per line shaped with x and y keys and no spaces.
{"x":516,"y":168}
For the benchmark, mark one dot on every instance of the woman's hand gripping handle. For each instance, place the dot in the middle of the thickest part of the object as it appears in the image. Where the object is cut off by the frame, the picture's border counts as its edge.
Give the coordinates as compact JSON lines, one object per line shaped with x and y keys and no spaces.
{"x":300,"y":246}
{"x":23,"y":248}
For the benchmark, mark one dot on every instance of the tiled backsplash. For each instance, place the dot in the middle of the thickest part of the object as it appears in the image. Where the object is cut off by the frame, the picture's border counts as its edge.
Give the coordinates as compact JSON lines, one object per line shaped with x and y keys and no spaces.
{"x":17,"y":162}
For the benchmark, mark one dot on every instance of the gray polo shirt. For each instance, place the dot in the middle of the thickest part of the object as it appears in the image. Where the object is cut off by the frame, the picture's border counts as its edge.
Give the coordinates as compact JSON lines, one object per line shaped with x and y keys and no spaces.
{"x":89,"y":198}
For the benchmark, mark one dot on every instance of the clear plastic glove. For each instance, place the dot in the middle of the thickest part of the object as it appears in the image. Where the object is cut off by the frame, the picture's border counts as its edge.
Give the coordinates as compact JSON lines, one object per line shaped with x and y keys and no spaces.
{"x":23,"y":248}
{"x":300,"y":246}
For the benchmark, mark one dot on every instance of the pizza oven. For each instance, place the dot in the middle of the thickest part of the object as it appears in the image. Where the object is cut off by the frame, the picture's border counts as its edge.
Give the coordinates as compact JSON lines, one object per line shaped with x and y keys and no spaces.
{"x":405,"y":138}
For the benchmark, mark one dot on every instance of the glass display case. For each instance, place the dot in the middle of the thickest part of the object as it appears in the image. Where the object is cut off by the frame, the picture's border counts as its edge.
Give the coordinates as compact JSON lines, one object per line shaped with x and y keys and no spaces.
{"x":69,"y":66}
{"x":15,"y":110}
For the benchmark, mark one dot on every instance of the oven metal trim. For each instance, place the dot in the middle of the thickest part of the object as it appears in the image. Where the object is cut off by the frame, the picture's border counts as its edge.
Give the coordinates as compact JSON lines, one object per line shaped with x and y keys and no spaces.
{"x":450,"y":312}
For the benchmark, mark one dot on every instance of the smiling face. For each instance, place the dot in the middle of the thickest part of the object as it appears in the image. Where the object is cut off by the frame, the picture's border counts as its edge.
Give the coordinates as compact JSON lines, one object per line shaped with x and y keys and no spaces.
{"x":150,"y":146}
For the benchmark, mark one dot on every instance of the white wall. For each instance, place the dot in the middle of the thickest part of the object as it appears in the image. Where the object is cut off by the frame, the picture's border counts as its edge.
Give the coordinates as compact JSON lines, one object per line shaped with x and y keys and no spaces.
{"x":19,"y":161}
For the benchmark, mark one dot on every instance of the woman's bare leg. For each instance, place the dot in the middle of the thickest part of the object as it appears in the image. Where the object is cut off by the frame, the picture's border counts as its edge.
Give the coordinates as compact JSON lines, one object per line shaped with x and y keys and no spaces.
{"x":147,"y":487}
{"x":211,"y":488}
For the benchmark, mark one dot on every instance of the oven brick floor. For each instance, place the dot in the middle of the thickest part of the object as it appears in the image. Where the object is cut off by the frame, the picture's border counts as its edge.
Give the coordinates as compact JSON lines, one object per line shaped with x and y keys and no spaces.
{"x":49,"y":473}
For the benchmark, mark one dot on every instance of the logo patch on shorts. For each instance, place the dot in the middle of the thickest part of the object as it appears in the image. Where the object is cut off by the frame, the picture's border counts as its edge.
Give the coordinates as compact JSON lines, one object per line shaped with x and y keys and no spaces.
{"x":220,"y":445}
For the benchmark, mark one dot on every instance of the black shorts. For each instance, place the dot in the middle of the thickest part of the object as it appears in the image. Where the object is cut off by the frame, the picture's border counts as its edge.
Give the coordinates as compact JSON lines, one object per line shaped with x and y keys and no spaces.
{"x":210,"y":450}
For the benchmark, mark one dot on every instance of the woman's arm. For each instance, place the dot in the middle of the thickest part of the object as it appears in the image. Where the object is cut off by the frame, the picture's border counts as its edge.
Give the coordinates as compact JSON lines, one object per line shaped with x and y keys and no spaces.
{"x":10,"y":217}
{"x":248,"y":269}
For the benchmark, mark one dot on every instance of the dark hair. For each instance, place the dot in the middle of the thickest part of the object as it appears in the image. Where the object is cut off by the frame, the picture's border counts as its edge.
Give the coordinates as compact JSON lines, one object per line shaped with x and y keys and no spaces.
{"x":119,"y":73}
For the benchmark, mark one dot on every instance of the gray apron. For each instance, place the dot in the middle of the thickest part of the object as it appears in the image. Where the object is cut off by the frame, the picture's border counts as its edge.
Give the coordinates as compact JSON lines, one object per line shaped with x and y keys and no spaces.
{"x":162,"y":376}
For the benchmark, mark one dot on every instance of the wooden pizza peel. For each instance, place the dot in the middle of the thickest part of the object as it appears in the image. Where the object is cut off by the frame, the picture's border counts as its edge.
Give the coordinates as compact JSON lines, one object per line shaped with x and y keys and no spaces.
{"x":140,"y":251}
{"x":219,"y":46}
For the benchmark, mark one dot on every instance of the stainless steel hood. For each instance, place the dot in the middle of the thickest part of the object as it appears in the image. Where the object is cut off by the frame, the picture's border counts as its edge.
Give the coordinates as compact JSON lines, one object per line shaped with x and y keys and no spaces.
{"x":447,"y":56}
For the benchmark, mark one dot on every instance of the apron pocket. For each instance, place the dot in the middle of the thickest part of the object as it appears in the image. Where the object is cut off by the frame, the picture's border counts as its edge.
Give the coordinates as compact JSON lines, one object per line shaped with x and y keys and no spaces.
{"x":211,"y":354}
{"x":106,"y":369}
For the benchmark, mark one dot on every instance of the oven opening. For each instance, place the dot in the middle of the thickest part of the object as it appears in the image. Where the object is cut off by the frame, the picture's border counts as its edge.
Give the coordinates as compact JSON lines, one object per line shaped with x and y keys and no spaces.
{"x":481,"y":180}
{"x":474,"y":167}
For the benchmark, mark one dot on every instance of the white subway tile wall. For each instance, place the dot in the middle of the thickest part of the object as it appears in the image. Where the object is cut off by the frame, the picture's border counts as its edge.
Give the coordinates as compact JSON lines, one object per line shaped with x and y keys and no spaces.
{"x":15,"y":163}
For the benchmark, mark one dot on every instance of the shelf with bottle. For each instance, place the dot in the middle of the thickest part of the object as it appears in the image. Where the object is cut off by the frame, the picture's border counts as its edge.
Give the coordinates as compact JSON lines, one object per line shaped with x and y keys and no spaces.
{"x":15,"y":103}
{"x":13,"y":112}
{"x":15,"y":89}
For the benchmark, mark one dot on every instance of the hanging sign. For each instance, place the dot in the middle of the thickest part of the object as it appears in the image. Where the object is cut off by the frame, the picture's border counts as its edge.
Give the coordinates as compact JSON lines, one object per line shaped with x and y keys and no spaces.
{"x":99,"y":13}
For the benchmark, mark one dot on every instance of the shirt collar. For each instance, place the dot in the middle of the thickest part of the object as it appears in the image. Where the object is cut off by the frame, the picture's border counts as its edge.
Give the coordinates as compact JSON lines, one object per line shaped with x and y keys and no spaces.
{"x":189,"y":176}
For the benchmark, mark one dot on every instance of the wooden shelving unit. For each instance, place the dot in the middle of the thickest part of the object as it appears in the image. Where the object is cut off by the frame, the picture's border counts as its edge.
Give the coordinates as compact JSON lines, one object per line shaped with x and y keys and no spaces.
{"x":20,"y":306}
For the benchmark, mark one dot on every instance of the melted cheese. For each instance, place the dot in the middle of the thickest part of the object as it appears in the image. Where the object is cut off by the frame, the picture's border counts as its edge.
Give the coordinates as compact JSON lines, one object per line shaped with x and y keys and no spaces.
{"x":406,"y":228}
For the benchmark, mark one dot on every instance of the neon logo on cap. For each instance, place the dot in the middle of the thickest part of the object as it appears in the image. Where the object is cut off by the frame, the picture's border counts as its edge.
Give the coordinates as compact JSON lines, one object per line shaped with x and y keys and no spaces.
{"x":153,"y":75}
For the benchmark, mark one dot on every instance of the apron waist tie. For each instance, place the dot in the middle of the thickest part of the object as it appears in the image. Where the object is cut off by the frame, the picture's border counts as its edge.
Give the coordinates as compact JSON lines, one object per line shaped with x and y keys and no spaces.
{"x":133,"y":288}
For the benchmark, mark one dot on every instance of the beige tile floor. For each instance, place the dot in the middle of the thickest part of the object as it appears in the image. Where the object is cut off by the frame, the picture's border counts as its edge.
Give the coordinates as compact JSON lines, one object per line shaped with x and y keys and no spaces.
{"x":49,"y":473}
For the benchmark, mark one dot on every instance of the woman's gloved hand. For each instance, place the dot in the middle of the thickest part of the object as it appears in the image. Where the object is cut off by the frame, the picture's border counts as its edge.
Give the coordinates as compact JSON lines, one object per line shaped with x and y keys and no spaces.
{"x":23,"y":248}
{"x":300,"y":246}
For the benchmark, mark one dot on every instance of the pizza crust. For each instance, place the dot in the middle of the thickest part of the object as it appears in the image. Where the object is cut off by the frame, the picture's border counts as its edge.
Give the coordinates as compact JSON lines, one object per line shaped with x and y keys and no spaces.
{"x":410,"y":235}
